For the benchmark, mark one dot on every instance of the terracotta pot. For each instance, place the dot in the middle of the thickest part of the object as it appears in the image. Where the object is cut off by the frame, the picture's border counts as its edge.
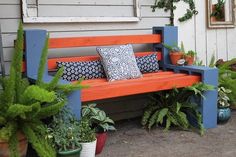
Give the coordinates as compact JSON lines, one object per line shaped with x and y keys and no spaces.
{"x":175,"y":56}
{"x":189,"y":59}
{"x":22,"y":147}
{"x":101,"y":140}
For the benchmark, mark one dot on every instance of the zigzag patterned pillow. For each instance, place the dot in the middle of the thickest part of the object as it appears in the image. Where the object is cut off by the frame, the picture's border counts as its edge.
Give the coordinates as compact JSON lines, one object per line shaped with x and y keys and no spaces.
{"x":77,"y":70}
{"x":148,"y":63}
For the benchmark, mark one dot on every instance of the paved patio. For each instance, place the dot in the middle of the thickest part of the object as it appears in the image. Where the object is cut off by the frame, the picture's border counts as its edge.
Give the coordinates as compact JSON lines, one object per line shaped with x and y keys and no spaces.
{"x":130,"y":140}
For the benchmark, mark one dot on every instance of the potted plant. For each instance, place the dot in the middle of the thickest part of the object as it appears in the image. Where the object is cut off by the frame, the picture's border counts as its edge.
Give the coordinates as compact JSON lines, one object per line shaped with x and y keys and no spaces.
{"x":63,"y":134}
{"x":24,"y":106}
{"x":189,"y":57}
{"x":87,"y":138}
{"x":218,"y":11}
{"x":100,"y":122}
{"x":175,"y":107}
{"x":175,"y":53}
{"x":224,"y":112}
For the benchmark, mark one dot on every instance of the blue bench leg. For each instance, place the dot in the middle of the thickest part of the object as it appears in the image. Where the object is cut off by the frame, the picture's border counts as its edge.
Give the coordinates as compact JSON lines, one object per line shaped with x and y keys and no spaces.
{"x":74,"y":103}
{"x":208,"y":106}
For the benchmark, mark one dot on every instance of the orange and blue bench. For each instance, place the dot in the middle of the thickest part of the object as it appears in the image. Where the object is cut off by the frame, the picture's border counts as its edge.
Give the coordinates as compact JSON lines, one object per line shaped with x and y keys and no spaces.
{"x":168,"y":77}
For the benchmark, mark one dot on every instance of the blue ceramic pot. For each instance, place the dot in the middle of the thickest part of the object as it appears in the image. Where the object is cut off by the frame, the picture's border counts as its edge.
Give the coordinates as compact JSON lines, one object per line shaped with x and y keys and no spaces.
{"x":224,"y":114}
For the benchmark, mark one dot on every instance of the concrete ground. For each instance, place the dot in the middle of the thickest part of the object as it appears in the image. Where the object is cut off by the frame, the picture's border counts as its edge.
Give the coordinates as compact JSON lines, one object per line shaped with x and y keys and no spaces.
{"x":130,"y":140}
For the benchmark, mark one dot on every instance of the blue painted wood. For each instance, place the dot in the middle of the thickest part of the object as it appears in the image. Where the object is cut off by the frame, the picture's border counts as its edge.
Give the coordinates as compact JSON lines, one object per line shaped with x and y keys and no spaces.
{"x":170,"y":37}
{"x":34,"y":43}
{"x":208,"y":105}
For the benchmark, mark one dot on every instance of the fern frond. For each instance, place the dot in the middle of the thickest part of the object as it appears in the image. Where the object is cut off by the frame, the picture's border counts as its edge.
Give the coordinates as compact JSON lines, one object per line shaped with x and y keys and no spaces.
{"x":34,"y":92}
{"x":42,"y":64}
{"x":39,"y":143}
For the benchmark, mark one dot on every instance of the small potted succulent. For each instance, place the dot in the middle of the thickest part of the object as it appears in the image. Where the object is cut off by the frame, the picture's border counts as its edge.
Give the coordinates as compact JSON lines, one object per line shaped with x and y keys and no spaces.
{"x":63,"y":133}
{"x":175,"y":53}
{"x":100,"y":122}
{"x":224,"y":112}
{"x":189,"y":57}
{"x":87,"y":138}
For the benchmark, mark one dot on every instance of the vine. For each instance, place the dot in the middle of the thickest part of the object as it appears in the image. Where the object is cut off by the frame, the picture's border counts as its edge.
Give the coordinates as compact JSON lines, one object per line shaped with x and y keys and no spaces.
{"x":169,"y":5}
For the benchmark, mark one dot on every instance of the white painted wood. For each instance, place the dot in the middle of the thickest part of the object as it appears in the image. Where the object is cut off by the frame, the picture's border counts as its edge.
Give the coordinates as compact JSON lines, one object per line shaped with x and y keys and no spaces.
{"x":211,"y":36}
{"x":231,"y":43}
{"x":10,"y":25}
{"x":10,"y":11}
{"x":86,"y":11}
{"x":29,"y":16}
{"x":186,"y":29}
{"x":200,"y":31}
{"x":221,"y":44}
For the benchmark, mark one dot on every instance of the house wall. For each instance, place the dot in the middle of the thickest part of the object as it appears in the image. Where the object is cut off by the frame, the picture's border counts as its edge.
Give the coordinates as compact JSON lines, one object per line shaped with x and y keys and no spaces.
{"x":193,"y":33}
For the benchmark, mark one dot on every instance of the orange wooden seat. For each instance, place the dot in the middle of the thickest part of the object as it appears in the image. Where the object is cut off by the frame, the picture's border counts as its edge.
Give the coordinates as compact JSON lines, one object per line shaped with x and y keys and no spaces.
{"x":151,"y":82}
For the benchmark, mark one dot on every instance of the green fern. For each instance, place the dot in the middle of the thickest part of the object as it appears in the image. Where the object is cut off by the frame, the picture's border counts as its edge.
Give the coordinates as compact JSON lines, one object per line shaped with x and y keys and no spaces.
{"x":172,"y":107}
{"x":24,"y":106}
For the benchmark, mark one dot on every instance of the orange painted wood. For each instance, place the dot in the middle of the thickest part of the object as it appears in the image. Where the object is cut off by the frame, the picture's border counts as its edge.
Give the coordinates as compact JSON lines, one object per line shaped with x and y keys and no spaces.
{"x":101,"y":89}
{"x":103,"y":40}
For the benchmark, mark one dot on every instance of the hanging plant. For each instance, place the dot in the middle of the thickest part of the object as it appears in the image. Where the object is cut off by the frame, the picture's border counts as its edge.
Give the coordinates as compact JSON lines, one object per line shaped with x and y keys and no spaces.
{"x":168,"y":5}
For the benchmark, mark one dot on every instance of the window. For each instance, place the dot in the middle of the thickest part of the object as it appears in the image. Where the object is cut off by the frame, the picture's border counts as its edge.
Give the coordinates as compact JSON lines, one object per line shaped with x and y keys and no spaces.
{"x":56,"y":11}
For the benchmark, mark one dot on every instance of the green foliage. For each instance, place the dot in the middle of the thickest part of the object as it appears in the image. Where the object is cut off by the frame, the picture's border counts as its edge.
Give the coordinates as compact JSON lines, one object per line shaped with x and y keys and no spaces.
{"x":218,"y":11}
{"x":227,"y":79}
{"x":191,"y":53}
{"x":172,"y":107}
{"x":169,"y":5}
{"x":223,"y":99}
{"x":98,"y":118}
{"x":63,"y":131}
{"x":86,"y":133}
{"x":24,"y":106}
{"x":173,"y":48}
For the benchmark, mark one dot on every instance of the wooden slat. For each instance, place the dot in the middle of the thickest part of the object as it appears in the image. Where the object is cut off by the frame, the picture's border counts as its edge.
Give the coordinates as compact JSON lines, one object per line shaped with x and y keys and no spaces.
{"x":137,"y":86}
{"x":103,"y":40}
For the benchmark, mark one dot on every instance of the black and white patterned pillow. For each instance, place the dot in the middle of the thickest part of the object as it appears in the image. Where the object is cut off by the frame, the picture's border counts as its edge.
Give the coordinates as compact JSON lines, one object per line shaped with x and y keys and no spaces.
{"x":148,"y":63}
{"x":119,"y":62}
{"x":77,"y":70}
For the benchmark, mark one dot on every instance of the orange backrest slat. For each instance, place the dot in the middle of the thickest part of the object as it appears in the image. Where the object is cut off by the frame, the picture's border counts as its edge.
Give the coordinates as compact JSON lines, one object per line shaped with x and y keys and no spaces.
{"x":103,"y":40}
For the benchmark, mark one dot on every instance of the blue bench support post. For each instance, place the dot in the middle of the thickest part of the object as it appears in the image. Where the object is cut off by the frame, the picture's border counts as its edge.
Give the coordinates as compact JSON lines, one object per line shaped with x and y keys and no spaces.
{"x":34,"y":43}
{"x":208,"y":105}
{"x":169,"y":36}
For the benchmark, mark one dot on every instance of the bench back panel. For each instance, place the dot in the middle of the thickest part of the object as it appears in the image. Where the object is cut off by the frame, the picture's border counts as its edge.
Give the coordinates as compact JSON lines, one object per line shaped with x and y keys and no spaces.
{"x":103,"y":40}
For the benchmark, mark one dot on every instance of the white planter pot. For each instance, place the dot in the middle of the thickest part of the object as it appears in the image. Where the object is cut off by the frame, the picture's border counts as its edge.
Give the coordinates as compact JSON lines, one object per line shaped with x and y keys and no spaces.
{"x":88,"y":149}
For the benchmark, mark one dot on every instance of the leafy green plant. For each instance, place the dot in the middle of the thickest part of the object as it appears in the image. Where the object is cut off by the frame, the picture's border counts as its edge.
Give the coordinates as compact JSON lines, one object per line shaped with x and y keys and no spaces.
{"x":169,"y":5}
{"x":98,"y":118}
{"x":223,"y":99}
{"x":218,"y":11}
{"x":227,"y":79}
{"x":63,"y":131}
{"x":173,"y":108}
{"x":191,"y":53}
{"x":24,"y":106}
{"x":86,"y":133}
{"x":173,"y":48}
